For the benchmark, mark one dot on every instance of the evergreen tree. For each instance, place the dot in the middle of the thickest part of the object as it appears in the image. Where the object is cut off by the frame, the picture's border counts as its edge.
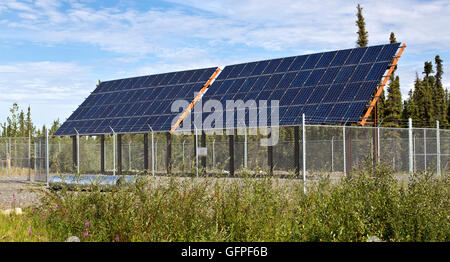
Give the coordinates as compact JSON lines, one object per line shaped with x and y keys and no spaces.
{"x":439,"y":96}
{"x":423,"y":97}
{"x":21,"y":123}
{"x":362,"y":33}
{"x":409,"y":107}
{"x":393,"y":105}
{"x":12,"y":121}
{"x":393,"y":108}
{"x":392,"y":38}
{"x":29,"y":123}
{"x":56,"y":124}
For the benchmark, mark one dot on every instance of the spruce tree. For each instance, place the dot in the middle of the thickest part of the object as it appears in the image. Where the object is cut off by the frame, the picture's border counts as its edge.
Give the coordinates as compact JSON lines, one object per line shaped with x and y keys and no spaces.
{"x":392,"y":38}
{"x":29,"y":123}
{"x":393,"y":105}
{"x":439,"y":96}
{"x":409,"y":107}
{"x":423,"y":97}
{"x":362,"y":33}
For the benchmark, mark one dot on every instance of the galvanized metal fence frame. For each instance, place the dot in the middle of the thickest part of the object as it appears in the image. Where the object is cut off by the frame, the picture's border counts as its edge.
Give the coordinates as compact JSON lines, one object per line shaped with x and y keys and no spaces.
{"x":329,"y":153}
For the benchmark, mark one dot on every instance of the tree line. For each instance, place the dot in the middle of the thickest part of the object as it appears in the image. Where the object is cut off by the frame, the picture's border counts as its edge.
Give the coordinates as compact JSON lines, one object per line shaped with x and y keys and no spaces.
{"x":20,"y":124}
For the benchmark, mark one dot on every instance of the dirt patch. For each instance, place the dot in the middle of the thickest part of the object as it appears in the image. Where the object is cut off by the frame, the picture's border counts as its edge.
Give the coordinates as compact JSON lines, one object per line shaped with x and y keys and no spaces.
{"x":20,"y":194}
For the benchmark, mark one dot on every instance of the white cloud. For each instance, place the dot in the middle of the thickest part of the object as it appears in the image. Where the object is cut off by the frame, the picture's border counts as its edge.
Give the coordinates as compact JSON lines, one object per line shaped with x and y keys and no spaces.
{"x":44,"y":84}
{"x":198,"y":33}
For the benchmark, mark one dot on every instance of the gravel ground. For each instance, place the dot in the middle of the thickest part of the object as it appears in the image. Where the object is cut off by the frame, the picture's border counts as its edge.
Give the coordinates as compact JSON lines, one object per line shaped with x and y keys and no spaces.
{"x":25,"y":193}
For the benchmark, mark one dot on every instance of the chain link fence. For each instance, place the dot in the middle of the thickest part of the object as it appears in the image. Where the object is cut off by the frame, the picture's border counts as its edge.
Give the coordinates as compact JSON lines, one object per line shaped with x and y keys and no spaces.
{"x":330,"y":150}
{"x":15,"y":158}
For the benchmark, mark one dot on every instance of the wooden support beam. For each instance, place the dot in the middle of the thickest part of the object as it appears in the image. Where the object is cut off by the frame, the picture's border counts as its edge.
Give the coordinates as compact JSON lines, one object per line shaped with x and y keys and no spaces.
{"x":348,"y":149}
{"x":74,"y":153}
{"x":191,"y":105}
{"x":169,"y":153}
{"x":203,"y":144}
{"x":102,"y":154}
{"x":297,"y":150}
{"x":119,"y":154}
{"x":270,"y":159}
{"x":231,"y":150}
{"x":146,"y":152}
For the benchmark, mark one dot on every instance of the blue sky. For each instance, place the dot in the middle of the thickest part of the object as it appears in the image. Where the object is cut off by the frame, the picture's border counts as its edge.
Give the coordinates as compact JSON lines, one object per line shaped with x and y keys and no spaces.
{"x":53,"y":52}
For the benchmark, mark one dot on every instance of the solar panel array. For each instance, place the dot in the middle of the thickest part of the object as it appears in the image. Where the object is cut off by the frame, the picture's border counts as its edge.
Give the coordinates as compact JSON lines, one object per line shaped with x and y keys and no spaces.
{"x":330,"y":87}
{"x":132,"y":105}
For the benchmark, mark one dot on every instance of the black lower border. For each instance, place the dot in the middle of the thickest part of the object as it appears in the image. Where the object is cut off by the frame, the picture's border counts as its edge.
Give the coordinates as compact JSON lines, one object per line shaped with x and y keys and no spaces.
{"x":210,"y":251}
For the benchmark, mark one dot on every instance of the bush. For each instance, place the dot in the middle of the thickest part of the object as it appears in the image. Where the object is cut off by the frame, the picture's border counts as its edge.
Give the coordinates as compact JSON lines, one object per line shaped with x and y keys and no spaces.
{"x":371,"y":203}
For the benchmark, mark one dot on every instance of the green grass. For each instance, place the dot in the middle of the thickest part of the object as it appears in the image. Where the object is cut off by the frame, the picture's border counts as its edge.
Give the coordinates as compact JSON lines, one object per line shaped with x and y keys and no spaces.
{"x":371,"y":203}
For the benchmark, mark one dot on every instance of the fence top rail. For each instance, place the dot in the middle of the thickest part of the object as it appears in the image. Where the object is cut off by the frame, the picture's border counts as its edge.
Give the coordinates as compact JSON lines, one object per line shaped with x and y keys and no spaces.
{"x":13,"y":137}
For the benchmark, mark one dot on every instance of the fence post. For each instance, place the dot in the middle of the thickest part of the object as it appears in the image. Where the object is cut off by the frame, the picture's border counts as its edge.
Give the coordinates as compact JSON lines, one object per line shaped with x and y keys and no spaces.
{"x":332,"y":154}
{"x":102,"y":154}
{"x":182,"y":156}
{"x":214,"y":153}
{"x":304,"y":152}
{"x":29,"y":156}
{"x":414,"y":153}
{"x":297,"y":150}
{"x":378,"y":144}
{"x":196,"y":149}
{"x":153,"y":152}
{"x":46,"y":156}
{"x":156,"y":155}
{"x":410,"y":145}
{"x":168,"y":153}
{"x":344,"y":151}
{"x":35,"y":160}
{"x":245,"y":147}
{"x":425,"y":148}
{"x":114,"y":151}
{"x":78,"y":151}
{"x":9,"y":158}
{"x":438,"y":149}
{"x":129,"y":156}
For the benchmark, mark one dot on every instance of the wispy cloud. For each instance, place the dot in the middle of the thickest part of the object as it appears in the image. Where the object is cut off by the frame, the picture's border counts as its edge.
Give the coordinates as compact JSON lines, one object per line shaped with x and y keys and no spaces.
{"x":193,"y":33}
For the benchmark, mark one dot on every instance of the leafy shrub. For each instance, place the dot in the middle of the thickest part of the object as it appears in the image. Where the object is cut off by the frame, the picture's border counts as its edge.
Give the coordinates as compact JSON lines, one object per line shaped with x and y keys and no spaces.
{"x":370,"y":203}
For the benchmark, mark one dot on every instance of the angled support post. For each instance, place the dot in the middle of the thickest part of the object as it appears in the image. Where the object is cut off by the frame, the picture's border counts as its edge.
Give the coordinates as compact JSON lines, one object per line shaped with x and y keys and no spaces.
{"x":203,"y":137}
{"x":119,"y":154}
{"x":169,"y":153}
{"x":114,"y":151}
{"x":297,"y":150}
{"x":153,"y":151}
{"x":191,"y":105}
{"x":78,"y":151}
{"x":102,"y":154}
{"x":383,"y":84}
{"x":231,"y":151}
{"x":146,"y":151}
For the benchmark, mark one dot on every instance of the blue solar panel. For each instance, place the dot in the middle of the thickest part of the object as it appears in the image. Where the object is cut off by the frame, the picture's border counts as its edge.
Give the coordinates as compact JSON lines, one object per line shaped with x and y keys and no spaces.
{"x":129,"y":105}
{"x":330,"y":87}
